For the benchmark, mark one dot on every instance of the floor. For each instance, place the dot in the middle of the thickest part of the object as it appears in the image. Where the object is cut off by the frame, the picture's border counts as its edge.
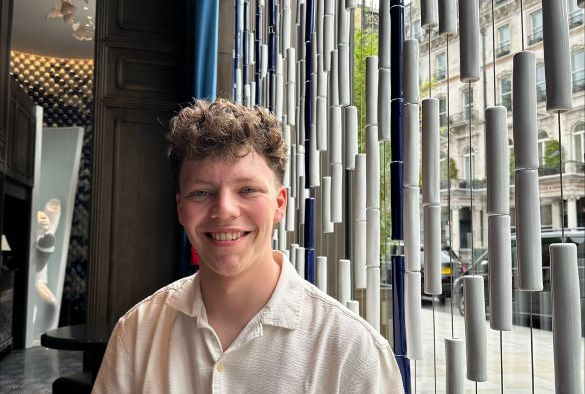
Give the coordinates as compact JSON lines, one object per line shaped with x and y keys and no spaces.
{"x":33,"y":370}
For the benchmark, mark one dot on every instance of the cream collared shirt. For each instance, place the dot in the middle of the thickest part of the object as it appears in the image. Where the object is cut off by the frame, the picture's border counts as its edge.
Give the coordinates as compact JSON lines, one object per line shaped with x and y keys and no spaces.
{"x":302,"y":341}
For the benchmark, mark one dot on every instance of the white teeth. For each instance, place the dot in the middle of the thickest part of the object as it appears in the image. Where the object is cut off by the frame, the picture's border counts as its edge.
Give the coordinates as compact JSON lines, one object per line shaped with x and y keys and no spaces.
{"x":226,"y":236}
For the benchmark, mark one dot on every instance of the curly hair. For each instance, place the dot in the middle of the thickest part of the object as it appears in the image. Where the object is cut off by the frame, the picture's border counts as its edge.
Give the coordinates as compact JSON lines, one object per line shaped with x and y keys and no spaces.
{"x":225,"y":130}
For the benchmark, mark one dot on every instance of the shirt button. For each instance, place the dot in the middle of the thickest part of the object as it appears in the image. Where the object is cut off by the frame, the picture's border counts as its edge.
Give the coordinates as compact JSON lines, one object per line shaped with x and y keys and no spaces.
{"x":220,"y":367}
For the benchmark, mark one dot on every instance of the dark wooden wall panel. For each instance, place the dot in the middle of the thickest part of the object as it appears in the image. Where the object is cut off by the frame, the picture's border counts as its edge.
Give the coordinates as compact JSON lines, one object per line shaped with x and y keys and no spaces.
{"x":5,"y":32}
{"x":20,"y":139}
{"x":139,"y":80}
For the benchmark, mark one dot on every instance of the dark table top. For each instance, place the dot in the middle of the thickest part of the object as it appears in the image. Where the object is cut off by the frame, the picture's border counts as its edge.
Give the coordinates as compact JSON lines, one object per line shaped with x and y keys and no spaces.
{"x":78,"y":337}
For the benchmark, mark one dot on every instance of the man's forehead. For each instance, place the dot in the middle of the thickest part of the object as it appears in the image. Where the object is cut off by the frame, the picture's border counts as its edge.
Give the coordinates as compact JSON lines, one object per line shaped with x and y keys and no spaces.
{"x":243,"y":166}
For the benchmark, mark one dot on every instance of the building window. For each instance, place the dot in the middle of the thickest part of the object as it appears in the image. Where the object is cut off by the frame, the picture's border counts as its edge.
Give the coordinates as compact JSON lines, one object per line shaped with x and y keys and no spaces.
{"x":575,"y":14}
{"x":540,"y":83}
{"x":467,"y":103}
{"x":443,"y":111}
{"x":579,"y":143}
{"x":506,"y":92}
{"x":418,"y":34}
{"x":578,"y":67}
{"x":546,"y":216}
{"x":441,"y":66}
{"x":535,"y":27}
{"x":503,"y":41}
{"x":468,"y":160}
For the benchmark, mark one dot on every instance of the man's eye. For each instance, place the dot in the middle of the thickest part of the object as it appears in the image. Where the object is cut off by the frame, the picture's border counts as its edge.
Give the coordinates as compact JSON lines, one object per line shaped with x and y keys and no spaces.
{"x":199,"y":193}
{"x":248,"y":190}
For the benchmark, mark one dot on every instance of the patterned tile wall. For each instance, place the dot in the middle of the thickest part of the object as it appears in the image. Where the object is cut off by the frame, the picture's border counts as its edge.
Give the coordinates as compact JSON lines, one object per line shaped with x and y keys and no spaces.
{"x":64,"y":88}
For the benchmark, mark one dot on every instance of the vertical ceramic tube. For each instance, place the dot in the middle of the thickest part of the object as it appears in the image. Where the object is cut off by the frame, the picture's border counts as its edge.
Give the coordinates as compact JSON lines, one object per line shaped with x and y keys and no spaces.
{"x":343,"y":281}
{"x":396,"y":200}
{"x":448,"y":17}
{"x":359,"y":200}
{"x":412,"y":318}
{"x":321,"y":268}
{"x":343,"y":74}
{"x":528,"y":240}
{"x":557,"y":56}
{"x":475,"y":331}
{"x":469,"y":40}
{"x":429,"y":13}
{"x":290,"y":214}
{"x":336,"y":193}
{"x":322,"y":123}
{"x":328,"y":40}
{"x":500,"y":272}
{"x":384,"y":34}
{"x":432,"y":249}
{"x":524,"y":110}
{"x":373,"y":237}
{"x":497,"y":160}
{"x":300,"y":261}
{"x":333,"y":84}
{"x":384,"y":104}
{"x":396,"y":130}
{"x":351,"y":136}
{"x":430,"y":151}
{"x":398,"y":305}
{"x":396,"y":53}
{"x":411,"y":66}
{"x":373,"y":297}
{"x":411,"y":145}
{"x":359,"y":262}
{"x":412,"y":228}
{"x":372,"y":168}
{"x":454,"y":360}
{"x":353,"y":306}
{"x":371,"y":90}
{"x":566,"y":318}
{"x":326,"y":224}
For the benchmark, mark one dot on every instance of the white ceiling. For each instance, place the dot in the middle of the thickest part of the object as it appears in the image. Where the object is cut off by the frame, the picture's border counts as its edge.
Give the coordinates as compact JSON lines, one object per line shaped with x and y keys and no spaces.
{"x":33,"y":32}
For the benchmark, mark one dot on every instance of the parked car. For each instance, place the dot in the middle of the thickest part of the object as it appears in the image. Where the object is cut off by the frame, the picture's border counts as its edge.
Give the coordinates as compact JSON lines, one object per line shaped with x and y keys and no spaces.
{"x":541,"y":301}
{"x":449,"y":267}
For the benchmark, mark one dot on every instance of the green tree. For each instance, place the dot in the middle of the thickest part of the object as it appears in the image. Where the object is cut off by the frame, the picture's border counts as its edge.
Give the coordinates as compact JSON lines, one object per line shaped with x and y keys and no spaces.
{"x":553,"y":153}
{"x":453,"y":172}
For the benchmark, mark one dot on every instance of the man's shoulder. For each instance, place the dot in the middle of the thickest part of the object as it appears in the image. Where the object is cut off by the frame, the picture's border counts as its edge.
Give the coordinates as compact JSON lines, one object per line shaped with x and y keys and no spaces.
{"x":338,"y":321}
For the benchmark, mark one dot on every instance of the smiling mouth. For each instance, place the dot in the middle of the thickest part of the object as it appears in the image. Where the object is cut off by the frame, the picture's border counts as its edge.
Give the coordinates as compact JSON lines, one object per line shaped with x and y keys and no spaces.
{"x":229,"y":236}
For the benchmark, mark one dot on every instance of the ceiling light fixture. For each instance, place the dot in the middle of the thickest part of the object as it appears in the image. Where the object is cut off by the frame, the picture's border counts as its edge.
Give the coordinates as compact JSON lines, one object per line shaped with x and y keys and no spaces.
{"x":66,"y":10}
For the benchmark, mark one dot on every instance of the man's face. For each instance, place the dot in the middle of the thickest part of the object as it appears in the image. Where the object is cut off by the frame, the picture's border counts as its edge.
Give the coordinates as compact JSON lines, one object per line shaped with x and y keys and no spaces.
{"x":228,"y":209}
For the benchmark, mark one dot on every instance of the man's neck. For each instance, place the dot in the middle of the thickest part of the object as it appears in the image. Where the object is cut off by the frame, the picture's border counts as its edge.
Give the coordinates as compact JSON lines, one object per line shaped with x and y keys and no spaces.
{"x":230,"y":303}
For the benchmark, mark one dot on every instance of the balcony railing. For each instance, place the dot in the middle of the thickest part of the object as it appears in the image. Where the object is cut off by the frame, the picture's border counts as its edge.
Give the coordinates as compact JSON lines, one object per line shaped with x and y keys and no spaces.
{"x":463,"y":117}
{"x":503,"y":49}
{"x":476,"y":183}
{"x":569,"y":167}
{"x":575,"y":19}
{"x":535,"y":36}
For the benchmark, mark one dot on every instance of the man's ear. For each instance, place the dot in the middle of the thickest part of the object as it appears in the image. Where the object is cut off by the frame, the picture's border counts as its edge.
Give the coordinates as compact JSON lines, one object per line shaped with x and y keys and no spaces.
{"x":281,"y":200}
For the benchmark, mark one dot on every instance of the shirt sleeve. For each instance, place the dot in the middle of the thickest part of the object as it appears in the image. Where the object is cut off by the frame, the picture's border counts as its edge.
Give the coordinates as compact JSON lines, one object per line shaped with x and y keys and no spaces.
{"x":380,"y":376}
{"x":116,"y":372}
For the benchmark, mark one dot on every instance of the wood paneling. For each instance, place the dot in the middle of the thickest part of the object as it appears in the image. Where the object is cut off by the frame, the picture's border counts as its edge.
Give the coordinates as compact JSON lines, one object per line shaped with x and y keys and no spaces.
{"x":134,"y":231}
{"x":21,"y":136}
{"x":5,"y":31}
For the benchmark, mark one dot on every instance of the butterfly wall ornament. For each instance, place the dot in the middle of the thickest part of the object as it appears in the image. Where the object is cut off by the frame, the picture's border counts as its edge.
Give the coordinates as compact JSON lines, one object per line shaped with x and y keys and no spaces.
{"x":66,"y":10}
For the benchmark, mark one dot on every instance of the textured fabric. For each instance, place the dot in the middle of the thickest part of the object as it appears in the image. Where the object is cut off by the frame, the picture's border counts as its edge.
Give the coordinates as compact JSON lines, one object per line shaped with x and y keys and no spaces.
{"x":302,"y":341}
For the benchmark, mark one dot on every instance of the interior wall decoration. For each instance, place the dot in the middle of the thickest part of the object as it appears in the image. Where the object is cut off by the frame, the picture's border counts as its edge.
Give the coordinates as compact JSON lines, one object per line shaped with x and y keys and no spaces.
{"x":299,"y":60}
{"x":64,"y":89}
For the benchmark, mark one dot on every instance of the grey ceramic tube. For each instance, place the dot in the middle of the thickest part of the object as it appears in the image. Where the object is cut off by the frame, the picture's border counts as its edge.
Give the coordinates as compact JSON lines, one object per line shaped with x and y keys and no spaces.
{"x":351,"y":136}
{"x":359,"y":190}
{"x":321,"y":273}
{"x":321,"y":123}
{"x":343,"y":74}
{"x":336,"y":192}
{"x":353,"y":306}
{"x":469,"y":40}
{"x":500,"y":272}
{"x":411,"y":145}
{"x":342,"y":17}
{"x":557,"y":56}
{"x":411,"y":65}
{"x":528,"y":240}
{"x":448,"y":17}
{"x":373,"y":297}
{"x":429,"y":13}
{"x":454,"y":360}
{"x":430,"y":151}
{"x":372,"y":237}
{"x":384,"y":34}
{"x":412,"y":302}
{"x":300,"y":261}
{"x":335,"y":135}
{"x":314,"y":160}
{"x":566,"y":318}
{"x":524,"y":110}
{"x":359,"y":263}
{"x":333,"y":84}
{"x":290,"y":214}
{"x":372,"y":167}
{"x":384,"y":104}
{"x":475,"y":330}
{"x":328,"y":40}
{"x":411,"y":216}
{"x":432,"y":249}
{"x":326,"y":223}
{"x":371,"y":90}
{"x":497,"y":160}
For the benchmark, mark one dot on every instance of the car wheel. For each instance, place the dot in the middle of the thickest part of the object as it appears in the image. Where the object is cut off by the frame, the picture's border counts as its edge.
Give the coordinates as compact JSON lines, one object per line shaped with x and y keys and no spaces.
{"x":461,"y":305}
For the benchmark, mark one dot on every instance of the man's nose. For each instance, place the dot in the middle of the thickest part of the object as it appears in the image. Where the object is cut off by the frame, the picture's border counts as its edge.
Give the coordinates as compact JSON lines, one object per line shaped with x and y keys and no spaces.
{"x":226,"y":205}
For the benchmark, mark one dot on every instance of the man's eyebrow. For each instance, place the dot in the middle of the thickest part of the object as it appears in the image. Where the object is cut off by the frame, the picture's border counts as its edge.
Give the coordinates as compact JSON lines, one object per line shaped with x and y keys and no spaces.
{"x":243,"y":179}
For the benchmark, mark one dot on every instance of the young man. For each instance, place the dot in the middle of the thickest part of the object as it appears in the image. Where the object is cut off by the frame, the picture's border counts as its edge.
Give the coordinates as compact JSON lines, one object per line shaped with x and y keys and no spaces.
{"x":246,"y":322}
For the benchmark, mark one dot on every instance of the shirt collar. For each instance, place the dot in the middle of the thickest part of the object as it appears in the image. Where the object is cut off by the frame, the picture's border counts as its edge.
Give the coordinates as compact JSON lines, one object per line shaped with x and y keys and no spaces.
{"x":283,"y":309}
